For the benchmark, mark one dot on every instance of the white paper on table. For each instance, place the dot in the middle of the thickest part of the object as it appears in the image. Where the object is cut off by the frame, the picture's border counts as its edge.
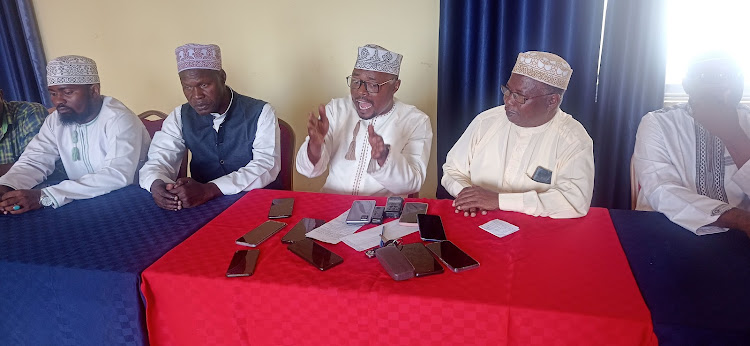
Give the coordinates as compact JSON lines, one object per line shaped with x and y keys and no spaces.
{"x":499,"y":228}
{"x":370,"y":238}
{"x":332,"y":231}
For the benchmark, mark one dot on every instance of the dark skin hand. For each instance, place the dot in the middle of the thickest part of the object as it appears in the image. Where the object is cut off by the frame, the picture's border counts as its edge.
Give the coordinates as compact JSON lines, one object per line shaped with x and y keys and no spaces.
{"x":164,"y":198}
{"x":736,"y":219}
{"x":475,"y":198}
{"x":28,"y":200}
{"x":317,"y":128}
{"x":4,"y":168}
{"x":379,"y":150}
{"x":718,"y":114}
{"x":192,"y":193}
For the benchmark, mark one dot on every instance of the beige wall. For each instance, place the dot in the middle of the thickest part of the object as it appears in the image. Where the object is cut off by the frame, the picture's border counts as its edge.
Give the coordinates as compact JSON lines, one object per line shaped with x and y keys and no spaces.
{"x":293,"y":54}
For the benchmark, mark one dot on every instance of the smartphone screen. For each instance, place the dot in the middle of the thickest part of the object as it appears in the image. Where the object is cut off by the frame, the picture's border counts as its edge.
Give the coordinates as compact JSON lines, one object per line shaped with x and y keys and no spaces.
{"x":299,"y":230}
{"x":431,"y":227}
{"x":243,"y":263}
{"x":280,"y":208}
{"x":315,"y":254}
{"x":422,"y":260}
{"x":452,"y":256}
{"x":259,"y":234}
{"x":361,"y":212}
{"x":410,"y":211}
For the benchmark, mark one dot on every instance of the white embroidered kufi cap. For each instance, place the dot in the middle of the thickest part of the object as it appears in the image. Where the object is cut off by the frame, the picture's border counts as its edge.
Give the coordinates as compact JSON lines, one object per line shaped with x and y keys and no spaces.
{"x":198,"y":56}
{"x":72,"y":69}
{"x":376,"y":58}
{"x":545,"y":67}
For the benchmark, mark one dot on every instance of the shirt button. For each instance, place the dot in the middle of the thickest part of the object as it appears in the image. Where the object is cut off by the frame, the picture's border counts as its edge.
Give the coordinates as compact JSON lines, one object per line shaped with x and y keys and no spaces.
{"x":221,"y":162}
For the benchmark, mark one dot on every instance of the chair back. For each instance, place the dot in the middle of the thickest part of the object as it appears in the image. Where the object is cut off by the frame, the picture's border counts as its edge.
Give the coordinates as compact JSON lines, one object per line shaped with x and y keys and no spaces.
{"x":287,"y":143}
{"x":153,"y":126}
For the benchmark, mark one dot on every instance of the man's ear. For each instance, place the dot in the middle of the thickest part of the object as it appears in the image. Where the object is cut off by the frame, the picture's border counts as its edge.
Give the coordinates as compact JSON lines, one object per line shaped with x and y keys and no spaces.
{"x":687,"y":85}
{"x":554,"y":101}
{"x":396,"y":85}
{"x":94,"y":89}
{"x":223,"y":76}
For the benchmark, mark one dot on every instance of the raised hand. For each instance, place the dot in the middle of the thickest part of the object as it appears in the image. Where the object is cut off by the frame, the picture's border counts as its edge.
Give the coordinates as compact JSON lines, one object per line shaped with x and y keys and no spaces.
{"x":379,"y":148}
{"x":317,"y":128}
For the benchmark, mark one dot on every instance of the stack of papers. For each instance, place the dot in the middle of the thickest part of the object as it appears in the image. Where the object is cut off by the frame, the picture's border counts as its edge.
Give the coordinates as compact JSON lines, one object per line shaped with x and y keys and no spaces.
{"x":333,"y":231}
{"x":499,"y":228}
{"x":370,"y":238}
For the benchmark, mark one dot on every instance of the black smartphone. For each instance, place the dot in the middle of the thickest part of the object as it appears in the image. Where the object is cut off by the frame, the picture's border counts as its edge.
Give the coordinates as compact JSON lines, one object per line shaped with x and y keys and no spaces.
{"x":393,"y":206}
{"x":452,"y":256}
{"x":259,"y":234}
{"x":243,"y":263}
{"x":431,"y":227}
{"x":377,"y":215}
{"x":422,"y":260}
{"x":299,"y":230}
{"x":410,"y":211}
{"x":315,"y":254}
{"x":281,"y":208}
{"x":361,"y":212}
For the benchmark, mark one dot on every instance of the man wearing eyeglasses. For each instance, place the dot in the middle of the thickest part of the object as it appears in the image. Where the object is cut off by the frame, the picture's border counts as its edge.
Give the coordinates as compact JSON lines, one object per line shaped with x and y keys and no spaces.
{"x":525,"y":156}
{"x":100,"y":142}
{"x":374,"y":144}
{"x":691,"y":159}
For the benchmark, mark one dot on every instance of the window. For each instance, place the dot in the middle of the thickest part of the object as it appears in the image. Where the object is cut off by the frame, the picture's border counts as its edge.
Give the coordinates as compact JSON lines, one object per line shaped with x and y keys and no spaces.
{"x":695,"y":26}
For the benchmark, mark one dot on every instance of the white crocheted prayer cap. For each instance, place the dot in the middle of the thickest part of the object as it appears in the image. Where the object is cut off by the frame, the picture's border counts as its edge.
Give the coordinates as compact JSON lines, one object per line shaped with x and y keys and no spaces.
{"x":198,"y":56}
{"x":72,"y":69}
{"x":545,"y":67}
{"x":376,"y":58}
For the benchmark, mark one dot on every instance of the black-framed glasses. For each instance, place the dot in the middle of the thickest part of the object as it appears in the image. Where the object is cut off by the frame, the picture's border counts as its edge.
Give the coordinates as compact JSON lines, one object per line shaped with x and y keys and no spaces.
{"x":372,"y":88}
{"x":520,"y":99}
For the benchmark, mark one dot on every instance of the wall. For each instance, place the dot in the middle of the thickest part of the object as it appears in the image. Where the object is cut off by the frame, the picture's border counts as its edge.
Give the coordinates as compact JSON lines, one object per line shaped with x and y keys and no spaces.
{"x":293,"y":54}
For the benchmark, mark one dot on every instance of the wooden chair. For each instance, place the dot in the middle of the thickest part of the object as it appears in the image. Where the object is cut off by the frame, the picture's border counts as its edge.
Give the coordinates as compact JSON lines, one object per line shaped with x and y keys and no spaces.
{"x":287,"y":142}
{"x":154,"y":125}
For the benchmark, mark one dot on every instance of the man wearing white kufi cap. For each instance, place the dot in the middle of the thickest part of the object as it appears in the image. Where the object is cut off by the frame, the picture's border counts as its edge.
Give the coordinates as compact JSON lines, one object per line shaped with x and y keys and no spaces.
{"x":692,"y":160}
{"x":371,"y":143}
{"x":234,"y":138}
{"x":528,"y":155}
{"x":99,"y":141}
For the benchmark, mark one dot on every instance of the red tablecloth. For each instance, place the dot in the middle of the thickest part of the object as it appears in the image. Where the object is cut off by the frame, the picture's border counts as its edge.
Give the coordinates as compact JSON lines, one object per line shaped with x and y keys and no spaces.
{"x":554,"y":282}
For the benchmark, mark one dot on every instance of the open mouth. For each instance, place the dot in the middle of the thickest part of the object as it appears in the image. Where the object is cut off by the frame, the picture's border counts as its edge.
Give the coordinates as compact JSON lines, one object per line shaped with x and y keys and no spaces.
{"x":364,"y":105}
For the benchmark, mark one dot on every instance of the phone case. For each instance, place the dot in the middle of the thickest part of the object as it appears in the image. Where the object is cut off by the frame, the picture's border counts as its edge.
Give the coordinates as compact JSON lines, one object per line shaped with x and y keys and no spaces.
{"x":243,"y":263}
{"x":361,"y":212}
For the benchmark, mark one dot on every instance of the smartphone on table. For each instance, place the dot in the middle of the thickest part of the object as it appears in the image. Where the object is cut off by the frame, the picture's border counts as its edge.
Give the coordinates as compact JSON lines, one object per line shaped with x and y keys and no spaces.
{"x":299,"y":230}
{"x":315,"y":254}
{"x":281,"y":208}
{"x":259,"y":234}
{"x":452,"y":256}
{"x":361,"y":212}
{"x":422,"y":260}
{"x":243,"y":263}
{"x":431,"y":227}
{"x":410,"y":212}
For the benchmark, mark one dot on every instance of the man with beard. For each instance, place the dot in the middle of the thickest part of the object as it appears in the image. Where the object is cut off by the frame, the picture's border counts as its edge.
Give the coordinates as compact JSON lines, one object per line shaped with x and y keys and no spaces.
{"x":526,"y":156}
{"x":19,"y":123}
{"x":375,"y":145}
{"x":99,"y":141}
{"x":234,"y":138}
{"x":691,"y":159}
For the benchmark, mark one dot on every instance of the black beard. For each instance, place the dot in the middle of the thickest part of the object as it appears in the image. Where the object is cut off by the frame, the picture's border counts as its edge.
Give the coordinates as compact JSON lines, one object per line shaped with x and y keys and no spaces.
{"x":72,"y":118}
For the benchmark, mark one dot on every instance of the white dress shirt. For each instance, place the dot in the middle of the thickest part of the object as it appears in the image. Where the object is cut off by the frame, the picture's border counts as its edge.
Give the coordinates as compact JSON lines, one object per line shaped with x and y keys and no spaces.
{"x":168,"y":148}
{"x":686,"y":173}
{"x":109,"y":150}
{"x":405,"y":128}
{"x":497,"y":155}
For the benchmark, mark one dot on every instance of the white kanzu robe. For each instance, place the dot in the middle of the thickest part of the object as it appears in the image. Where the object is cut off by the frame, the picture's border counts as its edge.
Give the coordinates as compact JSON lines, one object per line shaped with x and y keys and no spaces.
{"x":685,"y":172}
{"x":499,"y":156}
{"x":110,"y":149}
{"x":406,"y":129}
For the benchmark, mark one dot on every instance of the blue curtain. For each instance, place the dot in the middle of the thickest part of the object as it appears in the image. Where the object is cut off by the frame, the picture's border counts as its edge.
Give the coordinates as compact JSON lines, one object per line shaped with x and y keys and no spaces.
{"x":631,"y":84}
{"x":22,"y":61}
{"x":479,"y":42}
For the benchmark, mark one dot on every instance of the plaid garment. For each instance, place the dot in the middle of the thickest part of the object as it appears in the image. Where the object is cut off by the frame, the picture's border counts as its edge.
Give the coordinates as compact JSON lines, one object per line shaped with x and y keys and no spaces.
{"x":21,"y":122}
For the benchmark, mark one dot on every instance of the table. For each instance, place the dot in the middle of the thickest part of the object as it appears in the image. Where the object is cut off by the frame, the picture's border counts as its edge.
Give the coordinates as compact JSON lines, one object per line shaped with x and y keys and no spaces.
{"x":70,"y":276}
{"x":697,"y":287}
{"x":554,"y":282}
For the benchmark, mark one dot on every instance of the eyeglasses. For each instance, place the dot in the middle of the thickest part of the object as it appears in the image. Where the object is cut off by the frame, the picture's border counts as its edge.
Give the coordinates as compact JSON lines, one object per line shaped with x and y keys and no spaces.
{"x":520,"y":99}
{"x":717,"y":78}
{"x":372,"y":88}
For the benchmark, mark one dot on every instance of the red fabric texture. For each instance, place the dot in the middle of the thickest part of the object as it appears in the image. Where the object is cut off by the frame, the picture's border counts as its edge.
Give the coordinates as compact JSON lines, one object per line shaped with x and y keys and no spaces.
{"x":554,"y":282}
